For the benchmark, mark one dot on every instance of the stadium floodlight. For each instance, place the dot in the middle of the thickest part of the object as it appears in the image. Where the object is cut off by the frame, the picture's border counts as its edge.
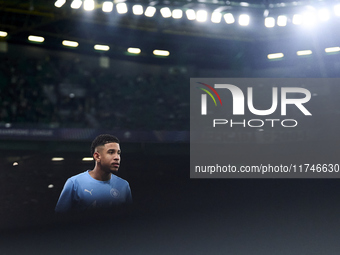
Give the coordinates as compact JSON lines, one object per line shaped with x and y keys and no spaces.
{"x":34,"y":38}
{"x":150,"y":11}
{"x":324,"y":14}
{"x":337,"y":10}
{"x":121,"y":8}
{"x":59,"y":3}
{"x":163,"y":53}
{"x":134,"y":50}
{"x":297,"y":19}
{"x":101,"y":47}
{"x":177,"y":14}
{"x":76,"y":4}
{"x":201,"y":16}
{"x":216,"y":17}
{"x":87,"y":159}
{"x":3,"y":34}
{"x":244,"y":20}
{"x":269,"y":22}
{"x":266,"y":13}
{"x":191,"y":14}
{"x":304,"y":52}
{"x":275,"y":56}
{"x":89,"y":5}
{"x":57,"y":159}
{"x":107,"y":6}
{"x":166,"y":13}
{"x":229,"y":18}
{"x":282,"y":21}
{"x":70,"y":43}
{"x":244,"y":4}
{"x":332,"y":49}
{"x":309,"y":18}
{"x":137,"y":9}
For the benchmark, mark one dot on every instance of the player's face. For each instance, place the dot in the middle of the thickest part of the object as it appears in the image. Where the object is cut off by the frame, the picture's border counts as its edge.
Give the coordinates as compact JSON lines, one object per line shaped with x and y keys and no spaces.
{"x":110,"y":157}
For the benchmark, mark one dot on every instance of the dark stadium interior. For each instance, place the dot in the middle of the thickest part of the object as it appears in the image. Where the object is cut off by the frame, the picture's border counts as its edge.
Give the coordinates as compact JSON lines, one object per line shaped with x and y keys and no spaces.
{"x":54,"y":100}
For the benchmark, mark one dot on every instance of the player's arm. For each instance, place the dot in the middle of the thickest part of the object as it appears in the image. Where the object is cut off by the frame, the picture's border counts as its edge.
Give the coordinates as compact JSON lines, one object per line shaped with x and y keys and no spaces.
{"x":65,"y":201}
{"x":128,"y":195}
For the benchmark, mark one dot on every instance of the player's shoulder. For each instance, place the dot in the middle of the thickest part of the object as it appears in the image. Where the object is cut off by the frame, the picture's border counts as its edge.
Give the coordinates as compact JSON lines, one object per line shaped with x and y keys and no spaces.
{"x":119,"y":179}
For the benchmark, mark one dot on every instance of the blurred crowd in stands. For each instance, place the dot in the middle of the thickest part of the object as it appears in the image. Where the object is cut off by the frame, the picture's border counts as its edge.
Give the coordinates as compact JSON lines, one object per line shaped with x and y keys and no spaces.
{"x":43,"y":88}
{"x":59,"y":93}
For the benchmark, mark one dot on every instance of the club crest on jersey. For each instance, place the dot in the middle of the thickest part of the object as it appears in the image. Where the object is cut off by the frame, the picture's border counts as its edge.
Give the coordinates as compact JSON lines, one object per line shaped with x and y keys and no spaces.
{"x":114,"y":192}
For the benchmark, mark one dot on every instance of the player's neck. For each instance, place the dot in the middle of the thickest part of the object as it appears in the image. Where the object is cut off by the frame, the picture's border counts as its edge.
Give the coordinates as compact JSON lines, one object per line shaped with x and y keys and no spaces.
{"x":100,"y":175}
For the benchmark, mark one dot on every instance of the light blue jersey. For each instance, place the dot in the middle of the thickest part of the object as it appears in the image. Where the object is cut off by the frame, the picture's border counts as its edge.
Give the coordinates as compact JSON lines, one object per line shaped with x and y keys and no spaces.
{"x":83,"y":192}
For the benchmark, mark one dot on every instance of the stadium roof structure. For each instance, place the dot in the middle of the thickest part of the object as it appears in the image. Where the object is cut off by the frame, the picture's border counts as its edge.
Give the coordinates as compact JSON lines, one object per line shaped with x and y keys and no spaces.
{"x":20,"y":19}
{"x":43,"y":18}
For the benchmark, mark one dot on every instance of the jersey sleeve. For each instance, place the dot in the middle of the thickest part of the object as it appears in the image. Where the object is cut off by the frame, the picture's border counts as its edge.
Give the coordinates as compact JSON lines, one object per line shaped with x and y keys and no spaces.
{"x":65,"y":201}
{"x":128,"y":195}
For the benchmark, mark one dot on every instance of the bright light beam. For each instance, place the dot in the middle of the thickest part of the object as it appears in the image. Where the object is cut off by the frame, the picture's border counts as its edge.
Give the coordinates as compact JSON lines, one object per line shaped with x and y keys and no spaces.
{"x":337,"y":10}
{"x":107,"y":6}
{"x":121,"y":8}
{"x":229,"y":18}
{"x":201,"y":16}
{"x":275,"y":56}
{"x":282,"y":21}
{"x":191,"y":14}
{"x":244,"y":20}
{"x":324,"y":14}
{"x":87,"y":159}
{"x":102,"y":47}
{"x":76,"y":4}
{"x":150,"y":11}
{"x":59,"y":3}
{"x":216,"y":17}
{"x":57,"y":159}
{"x":309,"y":19}
{"x":332,"y":49}
{"x":269,"y":22}
{"x":89,"y":5}
{"x":304,"y":52}
{"x":34,"y":38}
{"x":177,"y":14}
{"x":70,"y":43}
{"x":166,"y":13}
{"x":137,"y":9}
{"x":3,"y":34}
{"x":134,"y":50}
{"x":163,"y":53}
{"x":297,"y":19}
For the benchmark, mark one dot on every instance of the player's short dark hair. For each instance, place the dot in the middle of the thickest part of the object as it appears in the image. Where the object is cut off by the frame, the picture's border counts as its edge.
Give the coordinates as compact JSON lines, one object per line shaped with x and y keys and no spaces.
{"x":102,"y":140}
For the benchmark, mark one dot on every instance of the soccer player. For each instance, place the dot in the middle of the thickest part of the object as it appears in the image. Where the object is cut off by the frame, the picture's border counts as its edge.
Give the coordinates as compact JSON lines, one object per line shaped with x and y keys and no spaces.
{"x":100,"y":187}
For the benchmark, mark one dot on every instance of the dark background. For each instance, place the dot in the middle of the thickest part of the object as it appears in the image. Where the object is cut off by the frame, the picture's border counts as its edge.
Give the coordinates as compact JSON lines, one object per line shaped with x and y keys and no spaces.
{"x":171,"y":213}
